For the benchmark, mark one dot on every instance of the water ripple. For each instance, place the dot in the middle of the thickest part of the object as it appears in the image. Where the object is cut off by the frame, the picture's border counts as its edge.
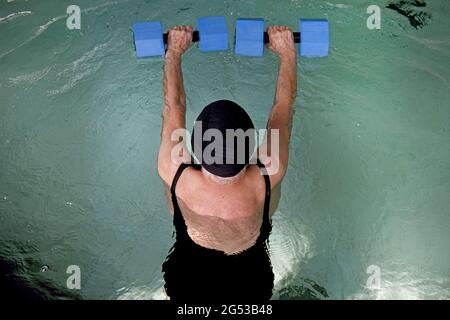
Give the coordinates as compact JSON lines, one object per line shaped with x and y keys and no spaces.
{"x":15,"y":15}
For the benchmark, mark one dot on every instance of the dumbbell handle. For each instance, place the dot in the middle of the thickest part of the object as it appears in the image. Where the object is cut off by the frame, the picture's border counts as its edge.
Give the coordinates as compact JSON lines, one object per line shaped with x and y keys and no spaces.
{"x":295,"y":34}
{"x":195,"y":37}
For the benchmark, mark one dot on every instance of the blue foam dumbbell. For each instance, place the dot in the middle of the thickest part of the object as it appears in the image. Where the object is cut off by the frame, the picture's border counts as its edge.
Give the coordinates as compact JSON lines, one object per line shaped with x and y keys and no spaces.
{"x":149,"y":39}
{"x":213,"y":33}
{"x":314,"y":38}
{"x":249,"y":37}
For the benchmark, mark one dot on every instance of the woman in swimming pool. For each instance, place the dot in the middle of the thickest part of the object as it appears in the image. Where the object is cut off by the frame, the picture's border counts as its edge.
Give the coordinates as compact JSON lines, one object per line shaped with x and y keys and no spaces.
{"x":222,"y":208}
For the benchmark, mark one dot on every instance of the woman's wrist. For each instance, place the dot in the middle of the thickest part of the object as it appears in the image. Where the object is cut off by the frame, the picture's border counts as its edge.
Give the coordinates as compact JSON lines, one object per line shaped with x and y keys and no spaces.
{"x":173,"y":54}
{"x":288,"y":55}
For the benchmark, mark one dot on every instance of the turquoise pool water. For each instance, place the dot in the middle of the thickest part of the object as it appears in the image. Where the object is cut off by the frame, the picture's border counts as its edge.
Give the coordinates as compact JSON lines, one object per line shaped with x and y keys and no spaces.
{"x":369,"y":179}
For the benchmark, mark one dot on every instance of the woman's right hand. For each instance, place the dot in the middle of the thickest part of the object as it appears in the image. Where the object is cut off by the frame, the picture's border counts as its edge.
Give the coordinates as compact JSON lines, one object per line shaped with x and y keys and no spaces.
{"x":281,"y":41}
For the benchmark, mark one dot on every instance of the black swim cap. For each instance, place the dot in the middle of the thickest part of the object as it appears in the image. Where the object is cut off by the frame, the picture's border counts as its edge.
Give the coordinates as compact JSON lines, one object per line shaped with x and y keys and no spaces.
{"x":222,"y":115}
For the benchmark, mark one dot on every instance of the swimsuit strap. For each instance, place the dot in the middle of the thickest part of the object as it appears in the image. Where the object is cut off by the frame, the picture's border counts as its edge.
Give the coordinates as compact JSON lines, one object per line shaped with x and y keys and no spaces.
{"x":180,"y":224}
{"x":266,"y":226}
{"x":178,"y":220}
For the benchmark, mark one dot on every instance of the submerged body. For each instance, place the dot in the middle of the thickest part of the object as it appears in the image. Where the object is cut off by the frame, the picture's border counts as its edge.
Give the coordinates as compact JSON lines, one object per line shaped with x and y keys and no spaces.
{"x":195,"y":272}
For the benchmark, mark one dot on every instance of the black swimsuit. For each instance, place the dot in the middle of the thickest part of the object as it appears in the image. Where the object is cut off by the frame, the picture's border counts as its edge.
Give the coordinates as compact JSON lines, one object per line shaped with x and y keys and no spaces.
{"x":195,"y":273}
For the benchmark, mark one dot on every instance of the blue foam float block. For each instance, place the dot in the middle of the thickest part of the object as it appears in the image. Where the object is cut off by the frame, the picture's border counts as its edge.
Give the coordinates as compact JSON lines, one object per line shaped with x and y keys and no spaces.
{"x":213,"y":33}
{"x":315,"y":38}
{"x":250,"y":37}
{"x":148,"y":39}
